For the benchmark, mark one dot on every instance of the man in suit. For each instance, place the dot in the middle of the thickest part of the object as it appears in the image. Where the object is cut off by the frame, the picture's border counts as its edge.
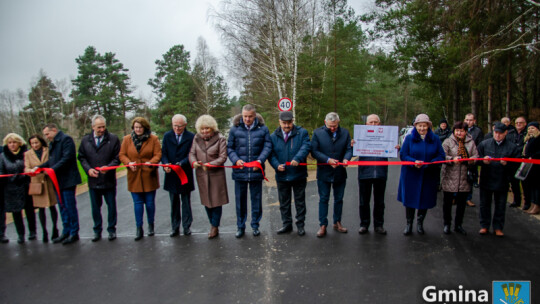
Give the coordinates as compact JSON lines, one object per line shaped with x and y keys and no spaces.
{"x":63,"y":160}
{"x":175,"y":150}
{"x":100,"y":148}
{"x":331,"y":145}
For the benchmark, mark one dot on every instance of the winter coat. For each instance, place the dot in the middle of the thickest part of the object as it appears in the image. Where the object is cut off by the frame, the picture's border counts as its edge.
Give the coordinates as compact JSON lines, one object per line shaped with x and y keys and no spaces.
{"x":454,"y":175}
{"x":212,"y":181}
{"x":532,"y":150}
{"x":15,"y":187}
{"x":296,"y":148}
{"x":178,"y":154}
{"x":106,"y":155}
{"x":495,"y":176}
{"x":48,"y":197}
{"x":418,"y":186}
{"x":144,"y":179}
{"x":517,"y":138}
{"x":248,"y":145}
{"x":477,"y":135}
{"x":324,"y":146}
{"x":372,"y":172}
{"x":63,"y":160}
{"x":443,"y":134}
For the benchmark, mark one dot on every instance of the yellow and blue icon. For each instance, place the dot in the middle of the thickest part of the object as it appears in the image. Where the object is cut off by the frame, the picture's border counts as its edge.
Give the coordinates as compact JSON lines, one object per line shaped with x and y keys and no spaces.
{"x":512,"y":292}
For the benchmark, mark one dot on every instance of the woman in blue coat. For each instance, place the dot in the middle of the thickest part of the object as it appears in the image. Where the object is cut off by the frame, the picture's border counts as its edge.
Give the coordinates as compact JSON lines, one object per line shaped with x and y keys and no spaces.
{"x":418,"y":183}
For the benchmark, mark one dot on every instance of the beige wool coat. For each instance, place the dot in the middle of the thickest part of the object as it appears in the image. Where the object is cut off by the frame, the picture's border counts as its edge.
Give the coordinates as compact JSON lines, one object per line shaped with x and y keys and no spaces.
{"x":212,"y":182}
{"x":48,"y":196}
{"x":454,"y":175}
{"x":144,"y":179}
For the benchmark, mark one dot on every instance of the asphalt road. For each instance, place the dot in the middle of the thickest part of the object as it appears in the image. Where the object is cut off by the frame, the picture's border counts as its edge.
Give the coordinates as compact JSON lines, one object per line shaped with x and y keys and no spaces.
{"x":271,"y":268}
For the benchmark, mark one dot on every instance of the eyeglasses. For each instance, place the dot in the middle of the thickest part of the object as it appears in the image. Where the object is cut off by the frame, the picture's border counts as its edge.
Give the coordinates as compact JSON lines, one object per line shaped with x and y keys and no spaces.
{"x":520,"y":122}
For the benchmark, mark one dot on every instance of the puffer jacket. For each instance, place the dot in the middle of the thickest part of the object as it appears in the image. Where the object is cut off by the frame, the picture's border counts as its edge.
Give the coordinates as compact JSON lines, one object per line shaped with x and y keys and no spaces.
{"x":248,"y":145}
{"x":296,"y":148}
{"x":454,"y":175}
{"x":15,"y":192}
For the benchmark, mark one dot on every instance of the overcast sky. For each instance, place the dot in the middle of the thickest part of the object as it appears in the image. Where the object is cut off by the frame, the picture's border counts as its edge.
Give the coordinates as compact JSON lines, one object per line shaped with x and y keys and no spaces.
{"x":50,"y":34}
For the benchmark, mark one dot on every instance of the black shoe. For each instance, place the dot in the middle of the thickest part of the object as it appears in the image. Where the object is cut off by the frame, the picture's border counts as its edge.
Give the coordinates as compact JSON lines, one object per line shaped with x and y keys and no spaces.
{"x":460,"y":229}
{"x":284,"y":229}
{"x":60,"y":238}
{"x":20,"y":240}
{"x":112,"y":236}
{"x":187,"y":231}
{"x":97,"y":237}
{"x":240,"y":233}
{"x":54,"y":233}
{"x":380,"y":230}
{"x":140,"y":233}
{"x":71,"y":239}
{"x":45,"y":236}
{"x":446,"y":229}
{"x":408,"y":228}
{"x":151,"y":230}
{"x":514,"y":205}
{"x":256,"y":232}
{"x":362,"y":230}
{"x":174,"y":233}
{"x":301,"y":231}
{"x":3,"y":239}
{"x":32,"y":236}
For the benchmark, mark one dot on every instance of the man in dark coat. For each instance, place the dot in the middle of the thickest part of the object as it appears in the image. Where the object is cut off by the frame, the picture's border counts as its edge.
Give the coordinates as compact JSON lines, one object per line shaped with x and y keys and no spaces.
{"x":372,"y":177}
{"x":290,"y":143}
{"x":443,"y":131}
{"x":63,"y":160}
{"x":331,"y":145}
{"x":175,"y":150}
{"x":478,"y":136}
{"x":517,"y":136}
{"x":100,"y":149}
{"x":249,"y":140}
{"x":495,"y":177}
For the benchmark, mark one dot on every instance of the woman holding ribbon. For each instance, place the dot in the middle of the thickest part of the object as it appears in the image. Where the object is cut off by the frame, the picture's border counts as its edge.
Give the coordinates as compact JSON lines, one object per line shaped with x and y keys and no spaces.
{"x":454,"y":175}
{"x":418,"y":183}
{"x":139,"y":148}
{"x":15,"y":188}
{"x":41,"y":189}
{"x":209,"y":149}
{"x":532,"y":151}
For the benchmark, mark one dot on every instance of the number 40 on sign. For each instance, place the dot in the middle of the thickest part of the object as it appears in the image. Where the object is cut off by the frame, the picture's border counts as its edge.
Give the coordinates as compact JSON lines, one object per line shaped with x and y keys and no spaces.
{"x":285,"y":104}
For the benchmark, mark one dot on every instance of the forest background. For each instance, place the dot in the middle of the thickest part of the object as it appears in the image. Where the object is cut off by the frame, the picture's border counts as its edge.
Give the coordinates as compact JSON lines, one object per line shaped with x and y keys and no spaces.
{"x":443,"y":58}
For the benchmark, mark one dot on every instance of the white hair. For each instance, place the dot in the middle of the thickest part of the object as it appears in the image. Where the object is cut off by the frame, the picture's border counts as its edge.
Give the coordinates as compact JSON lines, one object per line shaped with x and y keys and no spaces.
{"x":373,"y":115}
{"x":332,"y":116}
{"x":179,"y":116}
{"x":96,"y":117}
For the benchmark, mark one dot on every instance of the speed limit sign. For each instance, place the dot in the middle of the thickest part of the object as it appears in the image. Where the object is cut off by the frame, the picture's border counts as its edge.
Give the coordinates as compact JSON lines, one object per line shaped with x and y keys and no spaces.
{"x":285,"y":104}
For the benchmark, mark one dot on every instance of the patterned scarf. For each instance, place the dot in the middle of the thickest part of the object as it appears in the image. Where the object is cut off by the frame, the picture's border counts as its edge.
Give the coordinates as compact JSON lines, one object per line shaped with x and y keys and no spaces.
{"x":461,"y":151}
{"x":139,"y":140}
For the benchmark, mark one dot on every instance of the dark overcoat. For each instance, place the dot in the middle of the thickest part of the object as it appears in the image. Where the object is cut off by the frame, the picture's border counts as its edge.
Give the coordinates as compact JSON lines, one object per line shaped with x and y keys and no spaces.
{"x":296,"y":148}
{"x":248,"y":145}
{"x":178,"y":154}
{"x":15,"y":192}
{"x":324,"y":146}
{"x":495,"y":176}
{"x":418,"y":186}
{"x":106,"y":155}
{"x":63,"y":160}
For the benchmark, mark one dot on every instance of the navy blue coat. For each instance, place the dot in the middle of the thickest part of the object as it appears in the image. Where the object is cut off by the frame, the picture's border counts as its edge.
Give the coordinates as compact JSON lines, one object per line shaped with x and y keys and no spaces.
{"x":177,"y":154}
{"x":63,"y":160}
{"x":418,"y":186}
{"x":324,"y":147}
{"x":248,"y":145}
{"x":296,"y":148}
{"x":372,"y":172}
{"x":106,"y":155}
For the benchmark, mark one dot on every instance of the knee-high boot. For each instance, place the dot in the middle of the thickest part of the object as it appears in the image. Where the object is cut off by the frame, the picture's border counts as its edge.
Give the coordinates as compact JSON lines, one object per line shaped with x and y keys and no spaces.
{"x":409,"y":214}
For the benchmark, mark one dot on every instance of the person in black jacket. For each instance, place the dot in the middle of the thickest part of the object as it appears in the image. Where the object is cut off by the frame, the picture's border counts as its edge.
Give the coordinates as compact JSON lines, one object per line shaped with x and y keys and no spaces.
{"x":478,"y":136}
{"x":100,"y":149}
{"x":495,"y":178}
{"x":63,"y":160}
{"x":290,"y":143}
{"x":175,"y":150}
{"x":443,"y":131}
{"x":532,"y":151}
{"x":331,"y":145}
{"x":517,"y":136}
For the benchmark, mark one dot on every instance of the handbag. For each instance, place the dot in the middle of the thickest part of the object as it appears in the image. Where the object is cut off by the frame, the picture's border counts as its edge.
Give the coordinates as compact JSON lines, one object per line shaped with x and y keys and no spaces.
{"x":35,"y":189}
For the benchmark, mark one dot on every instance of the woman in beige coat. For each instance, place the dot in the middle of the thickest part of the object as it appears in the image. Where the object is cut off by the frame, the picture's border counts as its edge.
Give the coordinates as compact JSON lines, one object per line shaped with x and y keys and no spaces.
{"x":142,"y":147}
{"x":454,"y":175}
{"x":47,"y":199}
{"x":210,"y":148}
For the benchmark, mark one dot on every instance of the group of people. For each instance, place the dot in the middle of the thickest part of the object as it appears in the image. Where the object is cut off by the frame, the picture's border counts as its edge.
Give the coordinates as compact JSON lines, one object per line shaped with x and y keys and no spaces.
{"x":250,"y":142}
